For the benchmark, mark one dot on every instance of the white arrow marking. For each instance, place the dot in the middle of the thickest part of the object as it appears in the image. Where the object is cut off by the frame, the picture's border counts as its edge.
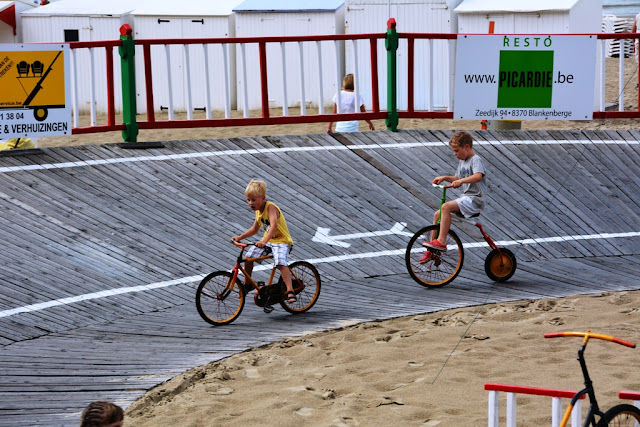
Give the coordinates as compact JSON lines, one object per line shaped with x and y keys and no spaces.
{"x":322,"y":235}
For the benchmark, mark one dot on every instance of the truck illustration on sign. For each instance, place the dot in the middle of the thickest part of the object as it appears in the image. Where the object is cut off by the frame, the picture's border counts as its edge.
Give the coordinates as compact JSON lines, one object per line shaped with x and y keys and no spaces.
{"x":32,"y":80}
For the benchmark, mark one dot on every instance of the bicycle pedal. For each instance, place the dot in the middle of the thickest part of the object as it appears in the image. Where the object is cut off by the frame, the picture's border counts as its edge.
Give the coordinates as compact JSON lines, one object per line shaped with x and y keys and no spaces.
{"x":268,"y":309}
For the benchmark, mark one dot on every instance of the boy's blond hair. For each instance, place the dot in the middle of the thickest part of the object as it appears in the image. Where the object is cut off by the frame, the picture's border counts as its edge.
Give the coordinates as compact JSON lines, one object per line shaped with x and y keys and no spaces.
{"x":460,"y":139}
{"x":256,"y":188}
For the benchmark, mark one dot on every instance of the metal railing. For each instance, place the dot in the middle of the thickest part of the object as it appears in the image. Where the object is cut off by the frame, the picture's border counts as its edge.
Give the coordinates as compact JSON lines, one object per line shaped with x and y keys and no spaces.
{"x":156,"y":76}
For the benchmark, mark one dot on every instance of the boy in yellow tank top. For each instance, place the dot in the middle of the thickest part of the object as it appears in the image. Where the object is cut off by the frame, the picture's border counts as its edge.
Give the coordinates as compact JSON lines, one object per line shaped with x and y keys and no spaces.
{"x":276,"y":238}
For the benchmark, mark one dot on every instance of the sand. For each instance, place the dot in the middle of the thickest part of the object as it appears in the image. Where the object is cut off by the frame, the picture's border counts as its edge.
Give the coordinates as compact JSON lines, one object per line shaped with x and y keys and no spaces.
{"x":427,"y":369}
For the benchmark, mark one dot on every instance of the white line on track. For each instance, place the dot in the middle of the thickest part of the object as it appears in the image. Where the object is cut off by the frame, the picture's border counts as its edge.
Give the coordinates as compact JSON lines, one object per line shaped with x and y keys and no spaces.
{"x":337,"y":258}
{"x":224,"y":153}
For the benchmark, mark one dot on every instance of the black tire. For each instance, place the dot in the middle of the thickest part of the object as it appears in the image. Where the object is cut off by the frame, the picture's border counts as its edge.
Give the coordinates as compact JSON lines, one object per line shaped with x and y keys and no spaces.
{"x":623,"y":415}
{"x":217,"y":301}
{"x":443,"y":267}
{"x":40,"y":113}
{"x":306,"y":285}
{"x":500,"y":265}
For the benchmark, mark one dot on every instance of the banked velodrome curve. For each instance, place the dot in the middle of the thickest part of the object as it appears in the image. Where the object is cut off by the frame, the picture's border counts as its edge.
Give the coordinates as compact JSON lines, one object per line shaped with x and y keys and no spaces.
{"x":102,"y":247}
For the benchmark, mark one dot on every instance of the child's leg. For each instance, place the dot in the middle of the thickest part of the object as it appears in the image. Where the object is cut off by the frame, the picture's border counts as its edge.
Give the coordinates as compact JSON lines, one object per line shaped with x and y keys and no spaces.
{"x":280,"y":258}
{"x":248,"y":267}
{"x":445,"y":222}
{"x":436,"y":217}
{"x":286,"y":276}
{"x":252,"y":252}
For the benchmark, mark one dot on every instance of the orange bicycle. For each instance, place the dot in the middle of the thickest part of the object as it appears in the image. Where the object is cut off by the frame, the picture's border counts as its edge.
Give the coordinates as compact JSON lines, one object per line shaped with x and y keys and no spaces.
{"x":619,"y":415}
{"x":221,"y":295}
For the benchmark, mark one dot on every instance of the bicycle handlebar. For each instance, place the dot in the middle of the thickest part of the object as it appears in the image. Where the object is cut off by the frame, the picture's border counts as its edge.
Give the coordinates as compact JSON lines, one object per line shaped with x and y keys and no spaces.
{"x":589,"y":334}
{"x":242,"y":245}
{"x":440,"y":186}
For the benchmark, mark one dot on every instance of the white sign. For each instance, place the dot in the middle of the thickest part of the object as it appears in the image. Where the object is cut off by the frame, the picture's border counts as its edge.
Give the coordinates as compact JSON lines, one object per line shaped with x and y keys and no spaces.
{"x":525,"y":77}
{"x":35,"y":99}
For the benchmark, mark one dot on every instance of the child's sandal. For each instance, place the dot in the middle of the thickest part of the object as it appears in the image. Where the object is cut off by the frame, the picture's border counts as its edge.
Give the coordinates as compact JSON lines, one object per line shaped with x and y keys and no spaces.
{"x":291,"y":297}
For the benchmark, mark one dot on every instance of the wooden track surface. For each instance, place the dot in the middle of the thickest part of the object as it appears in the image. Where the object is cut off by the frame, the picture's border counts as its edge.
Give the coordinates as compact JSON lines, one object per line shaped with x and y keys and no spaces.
{"x":113,"y":242}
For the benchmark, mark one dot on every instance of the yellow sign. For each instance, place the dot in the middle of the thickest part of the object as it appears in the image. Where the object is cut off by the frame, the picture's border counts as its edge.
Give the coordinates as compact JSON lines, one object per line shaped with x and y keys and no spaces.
{"x":34,"y":91}
{"x":30,"y":79}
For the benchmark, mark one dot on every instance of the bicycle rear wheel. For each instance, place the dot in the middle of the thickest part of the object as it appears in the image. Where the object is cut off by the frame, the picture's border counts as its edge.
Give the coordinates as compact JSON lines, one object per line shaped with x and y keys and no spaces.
{"x":306,"y":285}
{"x":500,"y":265}
{"x":623,"y":415}
{"x":219,"y":302}
{"x":440,"y":267}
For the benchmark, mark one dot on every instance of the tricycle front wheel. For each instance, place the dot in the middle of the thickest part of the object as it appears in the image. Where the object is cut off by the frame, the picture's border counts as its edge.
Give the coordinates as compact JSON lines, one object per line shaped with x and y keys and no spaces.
{"x":430,"y":267}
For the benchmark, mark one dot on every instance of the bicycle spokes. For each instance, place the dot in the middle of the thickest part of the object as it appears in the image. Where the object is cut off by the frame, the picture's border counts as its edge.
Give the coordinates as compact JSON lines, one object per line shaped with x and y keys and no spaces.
{"x":433,"y":267}
{"x":306,"y":286}
{"x":223,"y":295}
{"x":218,"y":299}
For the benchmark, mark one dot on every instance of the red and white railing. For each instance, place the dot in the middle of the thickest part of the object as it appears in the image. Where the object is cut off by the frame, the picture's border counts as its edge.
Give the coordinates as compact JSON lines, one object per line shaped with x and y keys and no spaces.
{"x":556,"y":403}
{"x":512,"y":392}
{"x":99,"y":82}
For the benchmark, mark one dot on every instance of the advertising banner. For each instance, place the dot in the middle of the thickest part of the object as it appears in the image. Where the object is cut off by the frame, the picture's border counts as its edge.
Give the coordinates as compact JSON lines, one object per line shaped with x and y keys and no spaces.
{"x":34,"y":95}
{"x":525,"y":77}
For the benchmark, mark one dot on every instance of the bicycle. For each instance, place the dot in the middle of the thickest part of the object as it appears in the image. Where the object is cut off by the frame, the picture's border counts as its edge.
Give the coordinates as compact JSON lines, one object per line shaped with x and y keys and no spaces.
{"x":441,"y":267}
{"x":220,"y":296}
{"x":619,"y":415}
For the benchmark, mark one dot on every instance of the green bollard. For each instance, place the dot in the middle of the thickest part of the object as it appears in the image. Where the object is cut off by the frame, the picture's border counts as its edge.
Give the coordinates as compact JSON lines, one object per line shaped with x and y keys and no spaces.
{"x":391,"y":44}
{"x":127,"y":63}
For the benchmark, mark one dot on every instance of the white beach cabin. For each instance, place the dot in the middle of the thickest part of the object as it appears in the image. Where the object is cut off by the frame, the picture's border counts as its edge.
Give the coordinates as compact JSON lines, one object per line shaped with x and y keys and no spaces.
{"x":417,"y":16}
{"x":10,"y":20}
{"x":530,"y":16}
{"x":80,"y":20}
{"x":203,"y":87}
{"x":259,"y":18}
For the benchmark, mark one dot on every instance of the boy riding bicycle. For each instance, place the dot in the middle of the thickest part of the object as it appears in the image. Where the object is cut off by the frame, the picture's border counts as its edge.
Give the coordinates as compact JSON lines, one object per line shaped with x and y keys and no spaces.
{"x":276,"y":238}
{"x":470,"y":175}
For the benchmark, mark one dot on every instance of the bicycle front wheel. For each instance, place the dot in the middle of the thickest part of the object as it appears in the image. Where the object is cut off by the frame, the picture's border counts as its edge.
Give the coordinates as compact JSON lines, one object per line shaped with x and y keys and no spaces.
{"x":306,"y":285}
{"x":623,"y":415}
{"x":219,"y":301}
{"x":433,"y":268}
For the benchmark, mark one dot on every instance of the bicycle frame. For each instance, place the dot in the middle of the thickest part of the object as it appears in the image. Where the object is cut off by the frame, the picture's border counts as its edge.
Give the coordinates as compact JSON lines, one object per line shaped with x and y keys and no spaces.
{"x":237,"y":268}
{"x":485,"y":236}
{"x":594,"y":409}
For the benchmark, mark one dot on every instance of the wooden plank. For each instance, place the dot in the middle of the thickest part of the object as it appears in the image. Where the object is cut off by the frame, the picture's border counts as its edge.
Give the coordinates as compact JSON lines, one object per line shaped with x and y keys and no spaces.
{"x":105,"y":211}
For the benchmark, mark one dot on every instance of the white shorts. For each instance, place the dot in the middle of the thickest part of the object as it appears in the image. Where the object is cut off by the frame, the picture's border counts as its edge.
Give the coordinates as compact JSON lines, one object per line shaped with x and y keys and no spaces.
{"x":467,"y":207}
{"x":280,"y":252}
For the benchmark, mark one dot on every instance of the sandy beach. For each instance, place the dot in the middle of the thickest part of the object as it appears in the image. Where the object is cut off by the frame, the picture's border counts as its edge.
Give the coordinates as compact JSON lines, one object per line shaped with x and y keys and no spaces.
{"x":423,"y":370}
